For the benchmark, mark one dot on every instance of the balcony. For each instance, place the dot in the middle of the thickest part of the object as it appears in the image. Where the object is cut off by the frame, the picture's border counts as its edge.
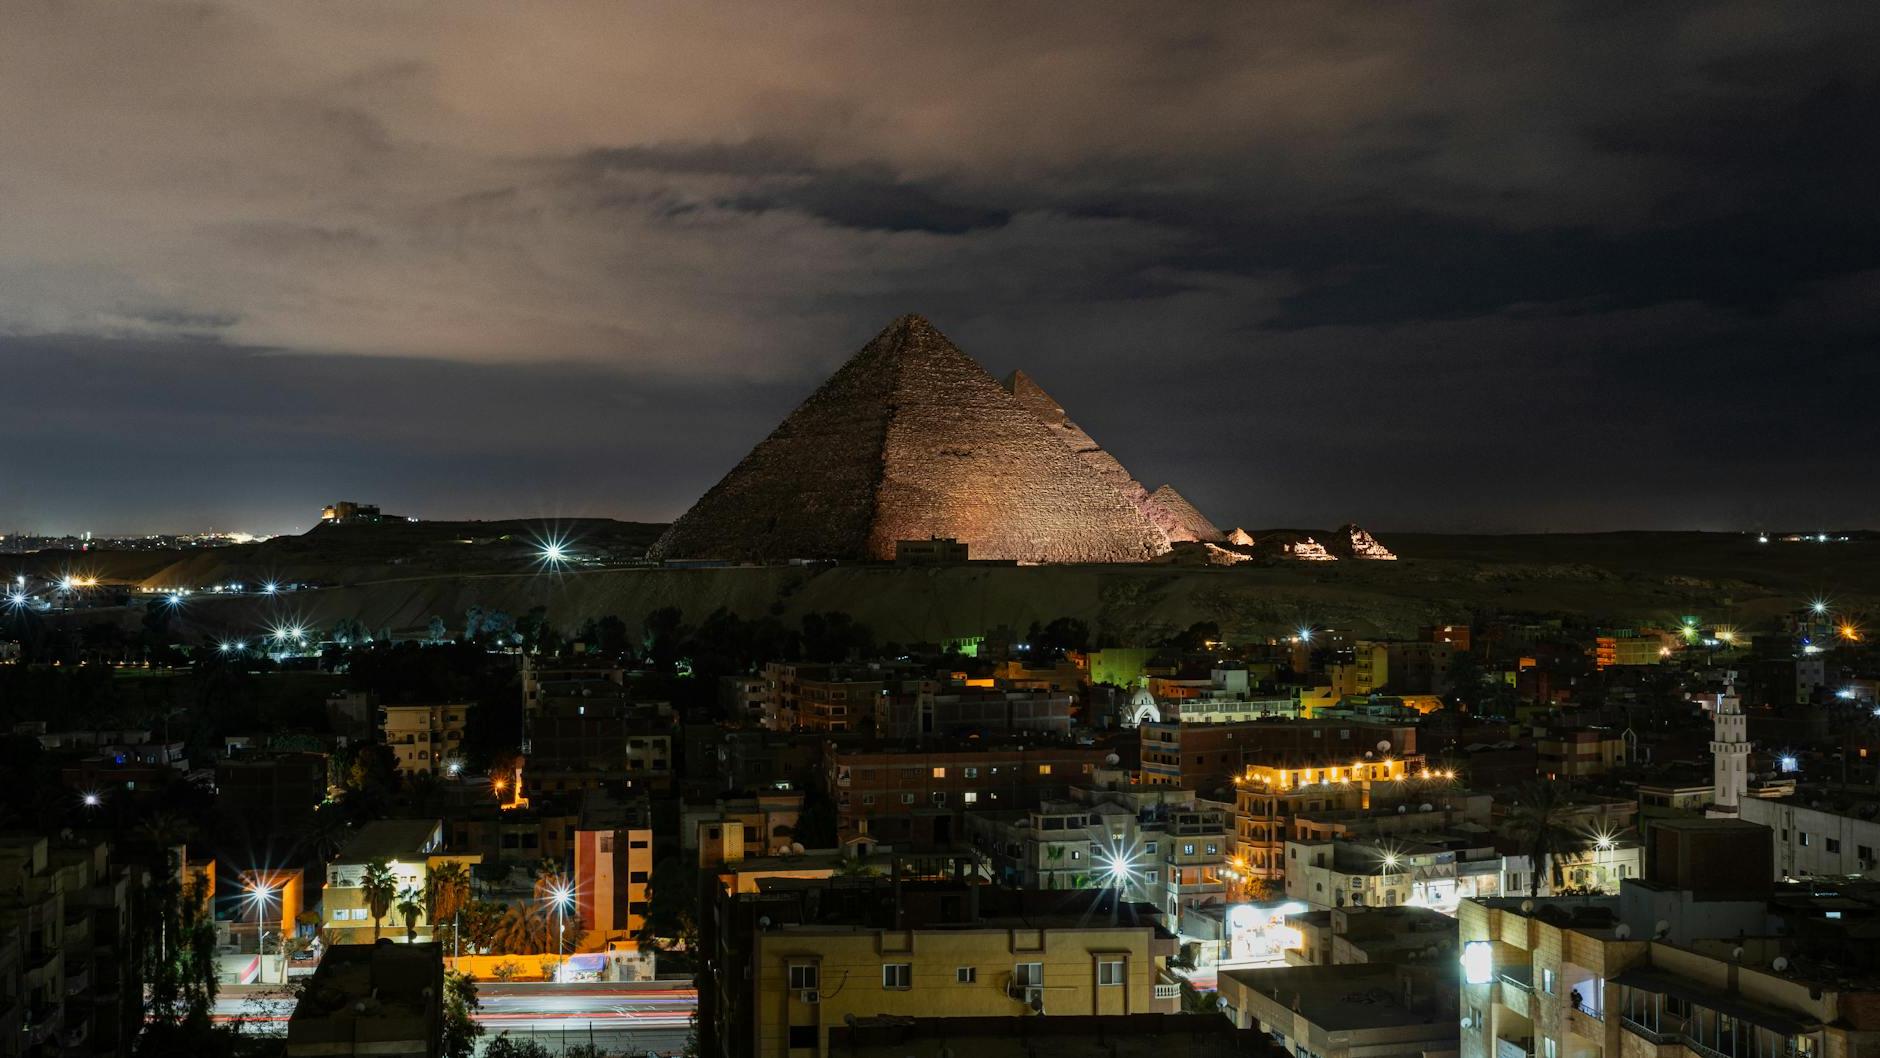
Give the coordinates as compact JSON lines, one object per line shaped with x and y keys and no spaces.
{"x":78,"y":980}
{"x":1514,"y":1048}
{"x":1587,"y":1022}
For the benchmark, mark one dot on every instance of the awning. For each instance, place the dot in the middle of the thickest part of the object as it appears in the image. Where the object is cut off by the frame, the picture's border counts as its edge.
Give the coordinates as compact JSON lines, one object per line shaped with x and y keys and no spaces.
{"x":587,"y":963}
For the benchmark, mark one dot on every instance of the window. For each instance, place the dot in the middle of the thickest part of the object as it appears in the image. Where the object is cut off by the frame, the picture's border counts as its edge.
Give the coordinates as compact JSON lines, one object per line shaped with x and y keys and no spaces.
{"x":939,"y":773}
{"x":1834,"y":844}
{"x":1110,"y":972}
{"x":803,"y":1037}
{"x":1865,"y":852}
{"x":1188,"y":848}
{"x":971,"y":797}
{"x":1802,"y":836}
{"x":1149,"y":848}
{"x":1044,"y":769}
{"x":1152,"y":876}
{"x":867,"y":798}
{"x":1213,"y":848}
{"x":1549,"y":1049}
{"x":972,"y":773}
{"x":1028,"y":974}
{"x":897,"y":975}
{"x":907,"y":798}
{"x":939,"y":797}
{"x":966,"y":975}
{"x":1547,"y":984}
{"x":803,"y":975}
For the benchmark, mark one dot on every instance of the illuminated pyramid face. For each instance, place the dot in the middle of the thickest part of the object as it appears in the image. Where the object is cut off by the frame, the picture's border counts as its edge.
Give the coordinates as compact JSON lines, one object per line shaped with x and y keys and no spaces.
{"x":1179,"y":518}
{"x":909,"y":440}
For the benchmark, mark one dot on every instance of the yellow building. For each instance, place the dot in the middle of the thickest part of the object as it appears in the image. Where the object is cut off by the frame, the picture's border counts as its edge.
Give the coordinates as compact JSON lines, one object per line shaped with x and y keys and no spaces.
{"x":424,"y":737}
{"x":409,"y":848}
{"x":958,"y":951}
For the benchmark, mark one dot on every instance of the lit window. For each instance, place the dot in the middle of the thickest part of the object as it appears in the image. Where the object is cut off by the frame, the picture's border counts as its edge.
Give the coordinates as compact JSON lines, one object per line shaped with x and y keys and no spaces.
{"x":1044,"y":769}
{"x":898,"y":975}
{"x":971,"y":797}
{"x":1188,"y":848}
{"x":939,"y":773}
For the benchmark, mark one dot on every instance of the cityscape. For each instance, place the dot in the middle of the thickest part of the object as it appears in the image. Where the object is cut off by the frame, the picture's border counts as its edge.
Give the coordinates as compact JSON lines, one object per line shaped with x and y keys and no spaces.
{"x":1249,"y":532}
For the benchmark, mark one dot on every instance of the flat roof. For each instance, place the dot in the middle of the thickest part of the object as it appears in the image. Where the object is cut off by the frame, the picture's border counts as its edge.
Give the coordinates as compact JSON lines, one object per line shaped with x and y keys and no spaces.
{"x":390,"y":839}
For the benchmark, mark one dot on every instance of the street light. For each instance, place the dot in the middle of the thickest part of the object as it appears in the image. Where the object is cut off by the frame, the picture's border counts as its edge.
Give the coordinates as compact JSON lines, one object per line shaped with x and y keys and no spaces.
{"x":258,"y":894}
{"x":560,"y":897}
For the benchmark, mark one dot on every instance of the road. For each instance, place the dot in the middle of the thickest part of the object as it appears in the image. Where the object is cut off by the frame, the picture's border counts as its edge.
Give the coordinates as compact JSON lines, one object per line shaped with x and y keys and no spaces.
{"x":619,"y":1017}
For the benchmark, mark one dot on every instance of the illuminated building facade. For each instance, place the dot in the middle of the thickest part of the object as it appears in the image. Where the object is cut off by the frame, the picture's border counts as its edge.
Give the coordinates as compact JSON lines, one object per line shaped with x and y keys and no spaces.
{"x":424,"y":738}
{"x":1268,"y":798}
{"x":799,"y":957}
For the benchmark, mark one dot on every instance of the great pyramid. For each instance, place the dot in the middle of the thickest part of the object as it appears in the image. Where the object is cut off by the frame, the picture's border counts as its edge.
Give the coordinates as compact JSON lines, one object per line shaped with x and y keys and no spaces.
{"x":908,"y":440}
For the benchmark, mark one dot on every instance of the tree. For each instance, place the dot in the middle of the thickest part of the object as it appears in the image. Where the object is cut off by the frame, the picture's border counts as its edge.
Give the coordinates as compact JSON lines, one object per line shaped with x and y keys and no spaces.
{"x":436,"y":631}
{"x":1054,"y":640}
{"x":460,"y":1007}
{"x":1538,"y":819}
{"x":410,"y":906}
{"x":447,"y":894}
{"x":1196,"y":638}
{"x":380,"y":886}
{"x":506,"y":1046}
{"x":323,"y":831}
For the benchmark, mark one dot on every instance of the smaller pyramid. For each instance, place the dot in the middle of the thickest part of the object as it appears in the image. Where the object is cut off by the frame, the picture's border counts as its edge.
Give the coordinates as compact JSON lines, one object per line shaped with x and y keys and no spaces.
{"x":1353,"y":541}
{"x":1179,"y":518}
{"x":1240,"y":538}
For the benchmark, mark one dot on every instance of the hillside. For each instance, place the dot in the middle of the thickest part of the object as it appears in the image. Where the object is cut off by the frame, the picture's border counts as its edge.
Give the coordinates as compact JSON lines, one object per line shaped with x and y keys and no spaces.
{"x":1616,"y":578}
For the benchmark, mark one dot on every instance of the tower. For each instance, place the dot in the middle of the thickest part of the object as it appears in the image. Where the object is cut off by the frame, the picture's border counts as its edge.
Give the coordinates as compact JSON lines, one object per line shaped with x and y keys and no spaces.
{"x":1729,"y":752}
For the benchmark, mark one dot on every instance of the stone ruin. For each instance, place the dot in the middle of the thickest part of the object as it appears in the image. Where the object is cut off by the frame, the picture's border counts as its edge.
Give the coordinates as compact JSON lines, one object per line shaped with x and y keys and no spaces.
{"x":910,"y":440}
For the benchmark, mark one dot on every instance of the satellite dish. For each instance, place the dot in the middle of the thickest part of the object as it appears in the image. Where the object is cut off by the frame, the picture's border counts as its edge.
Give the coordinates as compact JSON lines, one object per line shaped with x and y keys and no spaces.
{"x":1781,"y":964}
{"x":1660,"y":928}
{"x":796,"y":847}
{"x":1468,"y":1023}
{"x":1401,"y":809}
{"x":1527,"y":906}
{"x":1383,"y":746}
{"x":1427,"y":807}
{"x":1622,"y":931}
{"x":1736,"y":952}
{"x":763,"y":922}
{"x":1112,"y":760}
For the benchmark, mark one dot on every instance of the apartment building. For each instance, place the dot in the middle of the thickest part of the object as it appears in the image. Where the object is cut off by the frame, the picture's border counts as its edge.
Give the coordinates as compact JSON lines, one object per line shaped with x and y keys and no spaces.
{"x":801,"y":957}
{"x":424,"y":738}
{"x":1268,"y":798}
{"x":915,"y":794}
{"x":1154,"y":844}
{"x":69,"y":906}
{"x":1345,"y":1011}
{"x":1206,"y":756}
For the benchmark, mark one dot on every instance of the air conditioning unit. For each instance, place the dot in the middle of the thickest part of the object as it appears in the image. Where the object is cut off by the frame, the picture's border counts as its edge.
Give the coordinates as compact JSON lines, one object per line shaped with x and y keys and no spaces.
{"x":810,"y":996}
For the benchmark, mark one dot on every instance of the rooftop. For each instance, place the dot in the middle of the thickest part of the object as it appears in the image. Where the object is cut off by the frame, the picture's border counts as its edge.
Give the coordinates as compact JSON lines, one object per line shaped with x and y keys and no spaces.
{"x":391,"y":839}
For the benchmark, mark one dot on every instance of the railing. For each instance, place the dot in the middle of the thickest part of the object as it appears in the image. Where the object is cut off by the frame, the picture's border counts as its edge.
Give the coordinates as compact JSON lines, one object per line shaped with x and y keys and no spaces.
{"x":1511,"y":1049}
{"x":1168,"y":991}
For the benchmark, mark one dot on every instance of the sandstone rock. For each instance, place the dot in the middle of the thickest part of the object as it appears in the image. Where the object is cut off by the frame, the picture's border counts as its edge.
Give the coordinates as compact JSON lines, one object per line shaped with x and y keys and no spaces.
{"x":908,"y":440}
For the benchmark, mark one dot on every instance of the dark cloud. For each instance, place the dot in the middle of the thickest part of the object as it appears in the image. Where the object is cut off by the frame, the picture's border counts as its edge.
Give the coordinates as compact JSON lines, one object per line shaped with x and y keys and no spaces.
{"x":1426,"y":265}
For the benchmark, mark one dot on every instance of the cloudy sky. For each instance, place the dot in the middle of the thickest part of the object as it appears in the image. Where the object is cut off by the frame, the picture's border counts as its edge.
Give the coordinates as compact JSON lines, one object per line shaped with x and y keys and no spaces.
{"x":1427,"y":266}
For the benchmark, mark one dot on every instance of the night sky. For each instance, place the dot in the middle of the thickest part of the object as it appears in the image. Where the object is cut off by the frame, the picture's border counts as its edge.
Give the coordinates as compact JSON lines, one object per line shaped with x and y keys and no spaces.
{"x":1472,"y":266}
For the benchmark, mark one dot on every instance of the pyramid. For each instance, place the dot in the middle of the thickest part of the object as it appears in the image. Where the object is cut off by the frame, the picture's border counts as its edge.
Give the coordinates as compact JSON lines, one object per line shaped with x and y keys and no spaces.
{"x":912,"y":439}
{"x":1179,"y":519}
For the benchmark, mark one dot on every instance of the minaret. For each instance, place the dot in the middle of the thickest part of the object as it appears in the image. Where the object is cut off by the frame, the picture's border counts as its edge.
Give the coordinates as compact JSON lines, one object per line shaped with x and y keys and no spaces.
{"x":1729,"y":752}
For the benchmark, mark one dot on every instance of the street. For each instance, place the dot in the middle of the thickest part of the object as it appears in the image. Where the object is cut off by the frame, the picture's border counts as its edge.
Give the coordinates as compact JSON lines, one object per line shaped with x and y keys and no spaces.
{"x":634,"y":1018}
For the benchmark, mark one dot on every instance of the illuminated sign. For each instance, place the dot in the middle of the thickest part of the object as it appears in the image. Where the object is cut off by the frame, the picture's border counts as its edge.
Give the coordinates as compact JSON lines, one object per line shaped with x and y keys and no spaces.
{"x":1478,"y":962}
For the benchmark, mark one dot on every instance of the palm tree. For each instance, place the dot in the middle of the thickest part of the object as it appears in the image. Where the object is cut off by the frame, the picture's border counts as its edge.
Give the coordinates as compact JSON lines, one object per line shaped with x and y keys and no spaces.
{"x":515,"y":933}
{"x":323,"y":831}
{"x":447,"y":893}
{"x":380,"y":886}
{"x":1539,"y":820}
{"x":411,"y":905}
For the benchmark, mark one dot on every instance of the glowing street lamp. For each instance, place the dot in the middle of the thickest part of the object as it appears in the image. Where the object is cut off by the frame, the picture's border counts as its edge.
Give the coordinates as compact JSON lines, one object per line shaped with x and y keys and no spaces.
{"x":91,"y":799}
{"x":561,"y":898}
{"x":258,"y":895}
{"x":270,"y":588}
